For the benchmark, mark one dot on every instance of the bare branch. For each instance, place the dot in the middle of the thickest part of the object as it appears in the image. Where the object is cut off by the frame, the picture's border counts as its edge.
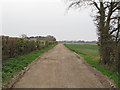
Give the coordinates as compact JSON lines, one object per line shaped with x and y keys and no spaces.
{"x":114,"y":18}
{"x":113,"y":30}
{"x":115,"y":7}
{"x":96,"y":5}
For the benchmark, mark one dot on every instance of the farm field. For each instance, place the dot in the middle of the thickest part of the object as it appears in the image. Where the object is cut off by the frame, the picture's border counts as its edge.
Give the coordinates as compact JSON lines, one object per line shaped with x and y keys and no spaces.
{"x":90,"y":50}
{"x":91,"y":54}
{"x":82,"y":43}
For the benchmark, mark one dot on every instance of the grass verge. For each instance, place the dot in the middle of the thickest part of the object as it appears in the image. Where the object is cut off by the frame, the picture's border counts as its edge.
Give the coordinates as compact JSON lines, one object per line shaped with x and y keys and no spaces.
{"x":91,"y":55}
{"x":14,"y":65}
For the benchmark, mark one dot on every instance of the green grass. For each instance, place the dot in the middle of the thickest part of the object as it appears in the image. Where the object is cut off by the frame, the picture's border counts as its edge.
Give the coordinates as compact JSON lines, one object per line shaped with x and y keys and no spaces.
{"x":91,"y":55}
{"x":14,"y":65}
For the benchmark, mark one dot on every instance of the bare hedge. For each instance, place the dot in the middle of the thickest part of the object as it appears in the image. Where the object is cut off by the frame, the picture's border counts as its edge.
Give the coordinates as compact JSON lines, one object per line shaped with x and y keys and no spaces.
{"x":13,"y":47}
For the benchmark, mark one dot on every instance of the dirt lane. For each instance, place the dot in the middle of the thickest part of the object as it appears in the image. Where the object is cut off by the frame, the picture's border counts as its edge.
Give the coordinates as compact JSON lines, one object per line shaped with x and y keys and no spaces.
{"x":59,"y":68}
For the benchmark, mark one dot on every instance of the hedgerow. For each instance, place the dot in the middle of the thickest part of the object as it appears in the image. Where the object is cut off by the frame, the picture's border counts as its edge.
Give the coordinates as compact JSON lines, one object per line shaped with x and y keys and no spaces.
{"x":13,"y":47}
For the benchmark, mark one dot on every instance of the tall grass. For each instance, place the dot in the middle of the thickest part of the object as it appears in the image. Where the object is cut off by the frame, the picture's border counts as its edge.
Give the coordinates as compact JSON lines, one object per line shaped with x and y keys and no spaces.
{"x":91,"y":55}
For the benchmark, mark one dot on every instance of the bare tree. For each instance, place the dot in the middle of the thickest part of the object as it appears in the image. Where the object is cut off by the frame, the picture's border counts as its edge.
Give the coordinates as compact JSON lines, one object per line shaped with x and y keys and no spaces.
{"x":23,"y":36}
{"x":107,"y":22}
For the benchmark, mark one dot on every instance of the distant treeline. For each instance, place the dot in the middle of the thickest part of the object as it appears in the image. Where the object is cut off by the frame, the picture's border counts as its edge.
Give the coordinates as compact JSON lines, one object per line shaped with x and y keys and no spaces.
{"x":80,"y":41}
{"x":48,"y":38}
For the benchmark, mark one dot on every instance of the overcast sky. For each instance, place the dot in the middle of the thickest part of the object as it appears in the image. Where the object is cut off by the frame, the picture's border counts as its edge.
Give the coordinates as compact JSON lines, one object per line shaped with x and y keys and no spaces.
{"x":46,"y":17}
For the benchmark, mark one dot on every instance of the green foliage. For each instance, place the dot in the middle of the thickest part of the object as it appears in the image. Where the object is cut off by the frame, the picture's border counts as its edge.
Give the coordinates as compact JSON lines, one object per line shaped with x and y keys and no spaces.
{"x":91,"y":55}
{"x":21,"y":44}
{"x":38,"y":44}
{"x":46,"y":43}
{"x":14,"y":65}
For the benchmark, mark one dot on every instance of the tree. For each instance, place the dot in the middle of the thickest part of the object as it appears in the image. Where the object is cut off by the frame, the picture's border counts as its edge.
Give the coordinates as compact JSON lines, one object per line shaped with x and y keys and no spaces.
{"x":50,"y":38}
{"x":107,"y":22}
{"x":23,"y":36}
